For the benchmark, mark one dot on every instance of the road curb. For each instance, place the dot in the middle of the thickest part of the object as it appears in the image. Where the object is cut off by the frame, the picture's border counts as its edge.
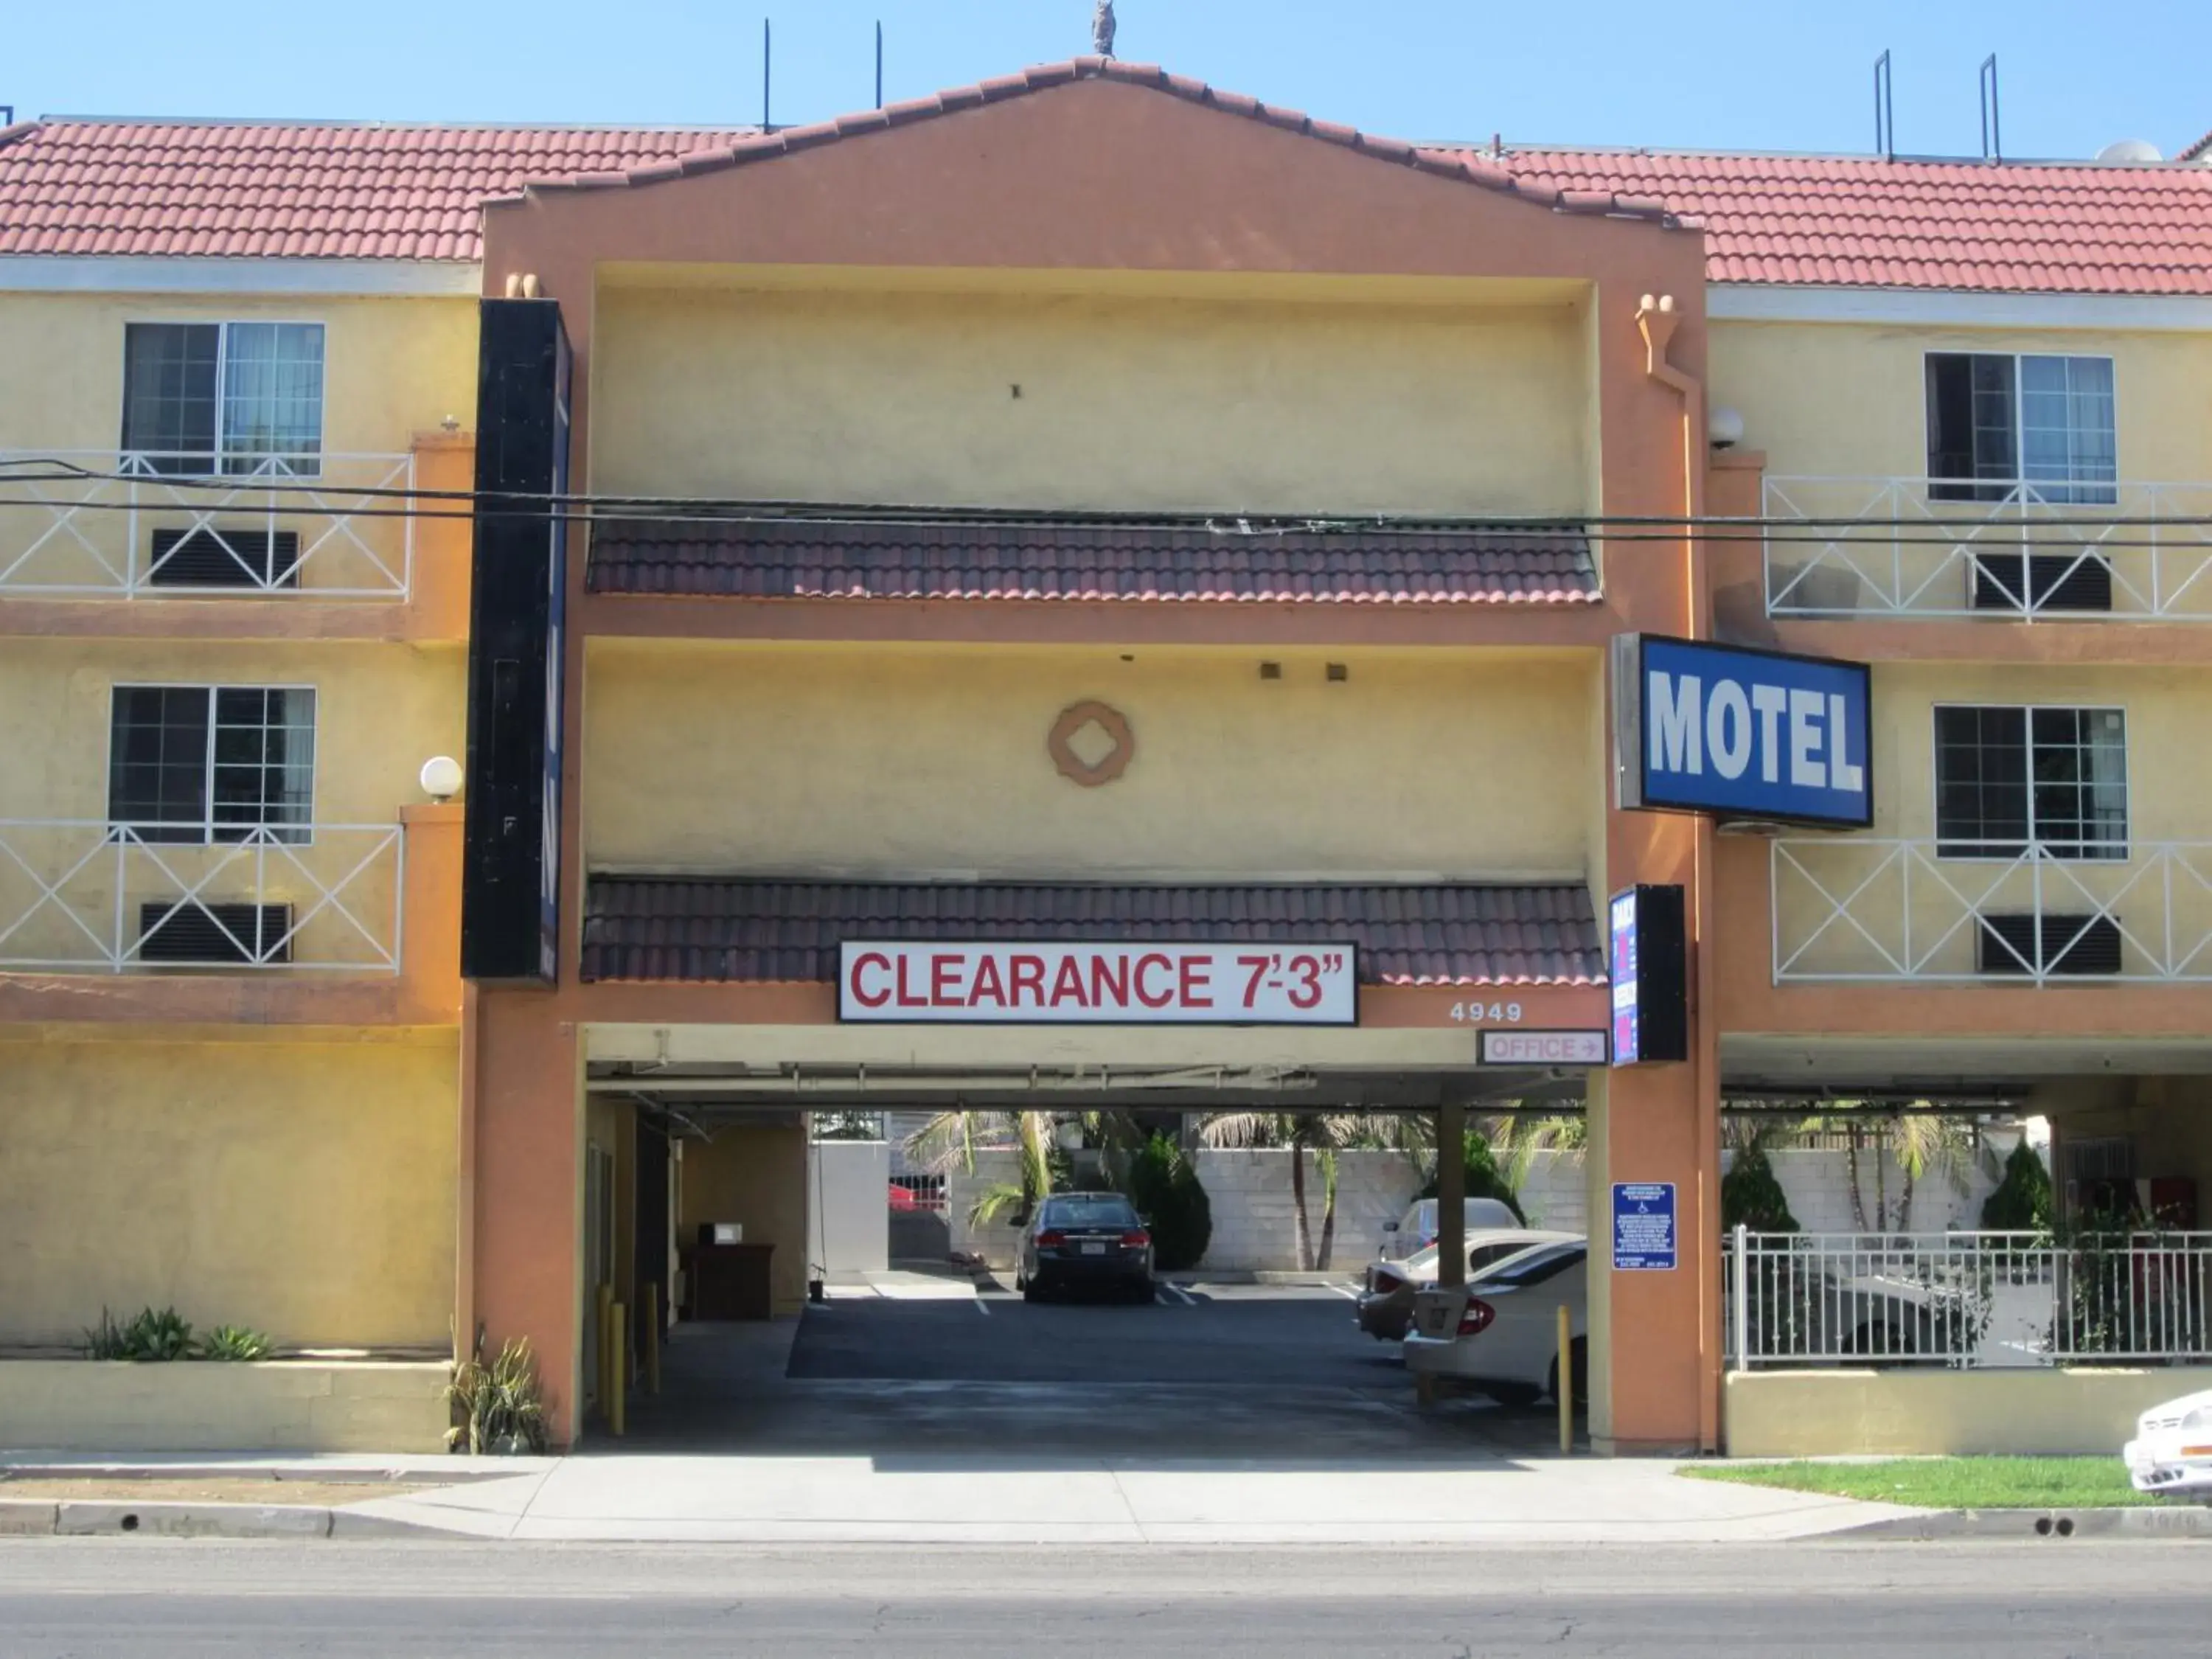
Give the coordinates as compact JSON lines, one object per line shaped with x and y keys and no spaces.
{"x":24,"y":1517}
{"x":2053,"y":1524}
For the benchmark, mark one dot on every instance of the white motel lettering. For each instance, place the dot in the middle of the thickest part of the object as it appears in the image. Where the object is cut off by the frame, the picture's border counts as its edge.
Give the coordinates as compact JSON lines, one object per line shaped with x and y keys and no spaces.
{"x":1690,"y":730}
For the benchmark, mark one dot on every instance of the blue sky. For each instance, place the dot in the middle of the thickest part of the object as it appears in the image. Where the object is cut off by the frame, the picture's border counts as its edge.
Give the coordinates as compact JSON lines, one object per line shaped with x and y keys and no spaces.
{"x":1707,"y":74}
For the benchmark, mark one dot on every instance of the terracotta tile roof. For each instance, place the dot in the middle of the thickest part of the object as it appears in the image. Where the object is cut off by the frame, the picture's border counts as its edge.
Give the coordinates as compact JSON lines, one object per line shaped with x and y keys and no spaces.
{"x":638,"y":927}
{"x":294,"y":190}
{"x":367,"y":191}
{"x":1007,"y":557}
{"x":2003,"y":227}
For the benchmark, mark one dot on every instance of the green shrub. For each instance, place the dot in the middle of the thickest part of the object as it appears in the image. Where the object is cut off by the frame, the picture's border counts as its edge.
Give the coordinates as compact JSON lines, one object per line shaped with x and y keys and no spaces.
{"x":1751,"y":1196}
{"x":2021,"y":1202}
{"x":233,"y":1342}
{"x":501,"y":1405}
{"x":1484,"y":1178}
{"x":107,"y":1339}
{"x":1167,"y":1192}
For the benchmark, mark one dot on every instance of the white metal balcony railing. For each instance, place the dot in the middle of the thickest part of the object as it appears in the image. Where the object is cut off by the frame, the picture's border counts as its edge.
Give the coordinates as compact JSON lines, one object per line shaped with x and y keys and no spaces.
{"x":1864,"y":908}
{"x":1967,"y":1301}
{"x":134,"y":523}
{"x":95,"y":897}
{"x":2025,"y":551}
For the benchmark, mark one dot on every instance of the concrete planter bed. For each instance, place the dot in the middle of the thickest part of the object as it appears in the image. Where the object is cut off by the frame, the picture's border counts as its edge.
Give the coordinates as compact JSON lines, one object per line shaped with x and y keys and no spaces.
{"x":278,"y":1405}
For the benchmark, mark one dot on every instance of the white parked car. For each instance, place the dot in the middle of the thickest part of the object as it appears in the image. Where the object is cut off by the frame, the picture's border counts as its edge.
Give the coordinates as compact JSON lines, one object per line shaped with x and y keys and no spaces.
{"x":1386,"y":1301}
{"x":1502,"y":1333}
{"x":2172,"y":1451}
{"x":1416,"y":1230}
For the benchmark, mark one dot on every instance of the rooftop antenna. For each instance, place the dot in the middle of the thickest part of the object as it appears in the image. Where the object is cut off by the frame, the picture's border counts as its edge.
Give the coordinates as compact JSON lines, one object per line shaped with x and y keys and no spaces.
{"x":879,"y":62}
{"x":1885,"y":129}
{"x":768,"y":67}
{"x":1992,"y":136}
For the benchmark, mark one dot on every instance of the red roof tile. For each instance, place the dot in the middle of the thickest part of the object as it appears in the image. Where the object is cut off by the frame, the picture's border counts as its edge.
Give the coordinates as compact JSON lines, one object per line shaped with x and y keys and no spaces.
{"x":1854,"y":222}
{"x":1006,"y":557}
{"x":299,"y":190}
{"x":736,"y":930}
{"x":305,"y":191}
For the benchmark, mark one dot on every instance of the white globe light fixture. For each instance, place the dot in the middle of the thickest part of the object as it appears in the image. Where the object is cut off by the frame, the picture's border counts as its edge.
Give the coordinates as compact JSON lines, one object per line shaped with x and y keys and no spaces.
{"x":441,"y":778}
{"x":1724,"y":427}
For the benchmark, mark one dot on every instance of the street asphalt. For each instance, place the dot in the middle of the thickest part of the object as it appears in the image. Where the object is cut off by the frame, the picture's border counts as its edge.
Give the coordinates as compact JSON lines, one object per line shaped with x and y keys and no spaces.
{"x":141,"y":1599}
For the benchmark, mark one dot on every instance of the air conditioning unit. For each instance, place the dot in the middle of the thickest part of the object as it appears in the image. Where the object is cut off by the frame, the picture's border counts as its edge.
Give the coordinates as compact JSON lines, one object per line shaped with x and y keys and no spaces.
{"x":198,"y":935}
{"x":2082,"y":945}
{"x":224,"y":558}
{"x":2042,"y":582}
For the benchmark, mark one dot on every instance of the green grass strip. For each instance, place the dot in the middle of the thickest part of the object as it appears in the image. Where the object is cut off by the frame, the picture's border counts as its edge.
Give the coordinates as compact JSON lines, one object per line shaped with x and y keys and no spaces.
{"x":1949,"y":1483}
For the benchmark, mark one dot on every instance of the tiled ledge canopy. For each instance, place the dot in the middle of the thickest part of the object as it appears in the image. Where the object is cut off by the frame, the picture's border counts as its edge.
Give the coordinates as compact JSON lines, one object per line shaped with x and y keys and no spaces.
{"x":734,"y":930}
{"x":885,"y":555}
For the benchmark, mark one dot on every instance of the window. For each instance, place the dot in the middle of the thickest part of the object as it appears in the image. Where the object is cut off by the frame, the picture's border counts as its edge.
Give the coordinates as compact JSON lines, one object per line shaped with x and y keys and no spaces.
{"x":2009,"y":778}
{"x":1533,"y":1267}
{"x":1081,"y":1213}
{"x":224,"y":398}
{"x":2043,"y":424}
{"x":204,"y":763}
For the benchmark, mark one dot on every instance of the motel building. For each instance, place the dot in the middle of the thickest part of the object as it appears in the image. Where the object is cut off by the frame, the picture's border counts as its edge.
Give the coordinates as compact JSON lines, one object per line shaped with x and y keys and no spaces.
{"x":1094,"y":589}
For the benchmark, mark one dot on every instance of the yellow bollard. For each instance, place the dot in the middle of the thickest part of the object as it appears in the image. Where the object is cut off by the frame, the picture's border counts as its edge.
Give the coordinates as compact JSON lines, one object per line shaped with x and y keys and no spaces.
{"x":1566,"y":1388}
{"x":618,"y":1368}
{"x":652,"y":1337}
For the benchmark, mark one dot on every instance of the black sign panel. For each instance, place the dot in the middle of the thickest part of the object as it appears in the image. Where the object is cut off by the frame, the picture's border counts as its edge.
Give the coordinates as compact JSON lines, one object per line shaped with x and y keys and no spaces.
{"x":510,"y":875}
{"x":1650,"y":970}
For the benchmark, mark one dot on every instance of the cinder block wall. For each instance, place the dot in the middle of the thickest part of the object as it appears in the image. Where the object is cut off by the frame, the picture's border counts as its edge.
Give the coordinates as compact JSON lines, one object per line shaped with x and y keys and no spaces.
{"x":1255,"y":1217}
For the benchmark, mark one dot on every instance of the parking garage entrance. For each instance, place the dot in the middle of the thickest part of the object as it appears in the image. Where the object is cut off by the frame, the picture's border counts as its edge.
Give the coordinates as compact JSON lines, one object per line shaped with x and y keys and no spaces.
{"x":839,"y":1250}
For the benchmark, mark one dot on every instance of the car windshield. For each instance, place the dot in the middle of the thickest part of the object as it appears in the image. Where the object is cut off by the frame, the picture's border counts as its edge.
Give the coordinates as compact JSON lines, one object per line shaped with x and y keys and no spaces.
{"x":1088,"y":1212}
{"x":1531,"y":1267}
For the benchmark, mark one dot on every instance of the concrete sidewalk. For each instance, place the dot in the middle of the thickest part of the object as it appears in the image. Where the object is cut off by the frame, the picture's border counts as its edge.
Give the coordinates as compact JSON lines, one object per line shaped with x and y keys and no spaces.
{"x":767,"y":1500}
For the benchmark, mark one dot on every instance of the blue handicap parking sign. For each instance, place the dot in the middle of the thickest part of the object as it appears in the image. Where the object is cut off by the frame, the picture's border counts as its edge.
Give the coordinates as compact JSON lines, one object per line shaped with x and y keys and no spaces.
{"x":1643,"y":1226}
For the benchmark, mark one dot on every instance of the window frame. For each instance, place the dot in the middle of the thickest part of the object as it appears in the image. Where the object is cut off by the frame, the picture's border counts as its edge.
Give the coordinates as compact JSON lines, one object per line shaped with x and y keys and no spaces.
{"x":305,"y":829}
{"x":222,"y":325}
{"x":2014,"y":491}
{"x":2124,"y":849}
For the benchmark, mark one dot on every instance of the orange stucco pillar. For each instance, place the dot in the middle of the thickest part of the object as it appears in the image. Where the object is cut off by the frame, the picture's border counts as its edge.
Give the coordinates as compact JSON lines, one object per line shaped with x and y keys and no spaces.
{"x":526,"y":1090}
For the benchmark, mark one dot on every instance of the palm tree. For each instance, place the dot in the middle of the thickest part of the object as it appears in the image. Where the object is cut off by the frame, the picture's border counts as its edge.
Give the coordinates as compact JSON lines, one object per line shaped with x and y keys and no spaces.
{"x":1920,"y":1143}
{"x":950,"y":1141}
{"x":1325,"y":1135}
{"x":1517,"y":1141}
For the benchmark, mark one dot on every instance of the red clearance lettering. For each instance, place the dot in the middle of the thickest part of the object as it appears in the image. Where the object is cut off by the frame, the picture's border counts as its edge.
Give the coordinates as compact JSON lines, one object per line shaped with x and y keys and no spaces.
{"x":944,"y":981}
{"x":1145,"y":966}
{"x":1196,"y":984}
{"x":987,"y":984}
{"x":1109,"y":971}
{"x":1025,"y":974}
{"x":1067,"y":983}
{"x":907,"y":999}
{"x":861,"y":965}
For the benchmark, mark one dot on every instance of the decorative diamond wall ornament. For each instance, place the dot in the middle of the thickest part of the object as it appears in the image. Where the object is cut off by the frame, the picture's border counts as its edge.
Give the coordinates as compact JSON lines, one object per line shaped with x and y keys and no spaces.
{"x":1092,"y":743}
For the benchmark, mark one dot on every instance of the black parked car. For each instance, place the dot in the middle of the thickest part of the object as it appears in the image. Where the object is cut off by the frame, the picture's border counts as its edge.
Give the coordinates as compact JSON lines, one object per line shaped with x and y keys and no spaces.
{"x":1091,"y":1239}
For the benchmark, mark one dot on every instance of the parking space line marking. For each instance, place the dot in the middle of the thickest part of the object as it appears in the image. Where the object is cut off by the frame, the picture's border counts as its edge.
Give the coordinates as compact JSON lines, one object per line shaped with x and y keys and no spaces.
{"x":1179,"y":1293}
{"x":1348,"y":1295}
{"x":982,"y":1306}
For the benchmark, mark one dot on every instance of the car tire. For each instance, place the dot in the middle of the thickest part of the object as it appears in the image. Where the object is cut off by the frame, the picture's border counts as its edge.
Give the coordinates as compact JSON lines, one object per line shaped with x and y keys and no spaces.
{"x":1031,"y":1291}
{"x":1140,"y":1292}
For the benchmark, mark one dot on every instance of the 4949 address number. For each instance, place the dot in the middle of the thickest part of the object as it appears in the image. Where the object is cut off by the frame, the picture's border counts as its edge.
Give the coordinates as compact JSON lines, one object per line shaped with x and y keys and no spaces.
{"x":1486,"y":1013}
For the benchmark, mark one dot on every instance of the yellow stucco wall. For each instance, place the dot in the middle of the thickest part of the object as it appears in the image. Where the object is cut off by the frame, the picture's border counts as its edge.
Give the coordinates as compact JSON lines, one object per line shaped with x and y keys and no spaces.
{"x":722,"y":757}
{"x":1930,"y":1414}
{"x":381,"y":711}
{"x":756,"y":1175}
{"x":2164,"y":707}
{"x":392,"y":367}
{"x":306,"y":1190}
{"x":1124,"y":403}
{"x":1833,"y":399}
